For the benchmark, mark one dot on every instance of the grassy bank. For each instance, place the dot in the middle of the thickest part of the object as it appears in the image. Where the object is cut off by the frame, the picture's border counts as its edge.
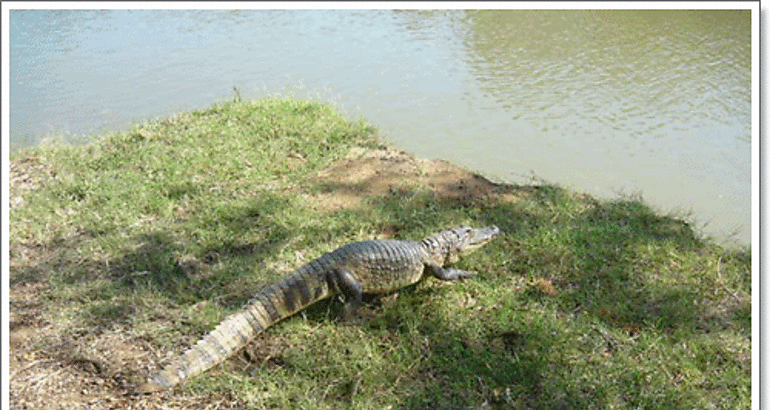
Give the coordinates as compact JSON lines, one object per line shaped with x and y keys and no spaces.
{"x":125,"y":251}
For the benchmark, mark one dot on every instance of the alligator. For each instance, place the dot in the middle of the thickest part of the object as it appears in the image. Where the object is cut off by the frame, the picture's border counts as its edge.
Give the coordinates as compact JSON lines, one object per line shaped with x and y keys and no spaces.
{"x":371,"y":267}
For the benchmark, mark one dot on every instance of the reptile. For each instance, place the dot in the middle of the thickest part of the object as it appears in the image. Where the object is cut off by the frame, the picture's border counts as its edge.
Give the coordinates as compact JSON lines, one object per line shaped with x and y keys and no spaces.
{"x":372,"y":267}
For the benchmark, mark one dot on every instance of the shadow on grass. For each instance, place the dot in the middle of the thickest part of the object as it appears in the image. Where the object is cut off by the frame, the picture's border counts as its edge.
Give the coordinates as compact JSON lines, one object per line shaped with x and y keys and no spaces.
{"x":615,"y":262}
{"x":153,"y":263}
{"x":603,"y":259}
{"x":618,"y":260}
{"x":459,"y":374}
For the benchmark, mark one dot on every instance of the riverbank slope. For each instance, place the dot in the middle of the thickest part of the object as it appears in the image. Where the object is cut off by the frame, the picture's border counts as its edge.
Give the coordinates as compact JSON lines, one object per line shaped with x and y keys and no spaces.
{"x":125,"y":251}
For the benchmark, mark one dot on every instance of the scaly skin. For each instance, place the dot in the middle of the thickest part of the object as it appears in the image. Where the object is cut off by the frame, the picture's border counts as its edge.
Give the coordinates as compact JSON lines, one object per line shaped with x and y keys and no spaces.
{"x":352,"y":270}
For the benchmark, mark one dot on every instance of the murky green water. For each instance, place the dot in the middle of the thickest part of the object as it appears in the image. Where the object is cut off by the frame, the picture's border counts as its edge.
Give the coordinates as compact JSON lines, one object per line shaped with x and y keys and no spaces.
{"x":657,"y":102}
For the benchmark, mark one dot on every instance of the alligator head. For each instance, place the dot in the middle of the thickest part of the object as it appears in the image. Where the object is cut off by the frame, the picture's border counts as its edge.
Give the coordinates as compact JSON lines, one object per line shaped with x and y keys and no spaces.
{"x":462,"y":240}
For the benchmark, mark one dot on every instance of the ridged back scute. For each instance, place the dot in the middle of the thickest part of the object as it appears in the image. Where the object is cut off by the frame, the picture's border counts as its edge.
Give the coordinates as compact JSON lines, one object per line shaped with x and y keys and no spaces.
{"x":383,"y":265}
{"x":295,"y":292}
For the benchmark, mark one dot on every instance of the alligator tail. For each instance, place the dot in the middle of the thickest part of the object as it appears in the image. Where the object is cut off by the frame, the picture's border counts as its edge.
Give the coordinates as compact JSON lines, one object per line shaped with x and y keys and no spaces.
{"x":273,"y":303}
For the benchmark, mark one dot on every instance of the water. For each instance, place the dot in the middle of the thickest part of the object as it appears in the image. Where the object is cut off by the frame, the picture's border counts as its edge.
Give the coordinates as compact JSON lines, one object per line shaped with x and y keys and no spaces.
{"x":650,"y":102}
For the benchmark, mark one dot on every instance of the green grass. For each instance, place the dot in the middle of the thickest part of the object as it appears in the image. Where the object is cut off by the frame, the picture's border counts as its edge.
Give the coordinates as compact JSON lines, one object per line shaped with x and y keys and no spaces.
{"x":159,"y":232}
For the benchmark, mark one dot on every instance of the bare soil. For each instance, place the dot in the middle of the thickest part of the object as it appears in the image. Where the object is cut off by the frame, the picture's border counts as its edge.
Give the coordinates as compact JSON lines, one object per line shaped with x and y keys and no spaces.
{"x":50,"y":371}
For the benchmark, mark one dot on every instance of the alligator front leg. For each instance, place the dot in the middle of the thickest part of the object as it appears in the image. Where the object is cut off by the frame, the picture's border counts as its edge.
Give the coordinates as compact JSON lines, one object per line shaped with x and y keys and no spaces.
{"x":448,"y":273}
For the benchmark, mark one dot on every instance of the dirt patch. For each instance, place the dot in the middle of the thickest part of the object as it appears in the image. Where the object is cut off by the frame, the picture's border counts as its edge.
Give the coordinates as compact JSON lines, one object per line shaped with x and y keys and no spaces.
{"x":367,"y":173}
{"x":51,"y":371}
{"x":25,"y":175}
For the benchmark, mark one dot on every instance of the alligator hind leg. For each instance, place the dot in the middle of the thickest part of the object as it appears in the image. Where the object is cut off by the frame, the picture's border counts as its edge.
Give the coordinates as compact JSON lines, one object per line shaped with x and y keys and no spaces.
{"x":351,"y":291}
